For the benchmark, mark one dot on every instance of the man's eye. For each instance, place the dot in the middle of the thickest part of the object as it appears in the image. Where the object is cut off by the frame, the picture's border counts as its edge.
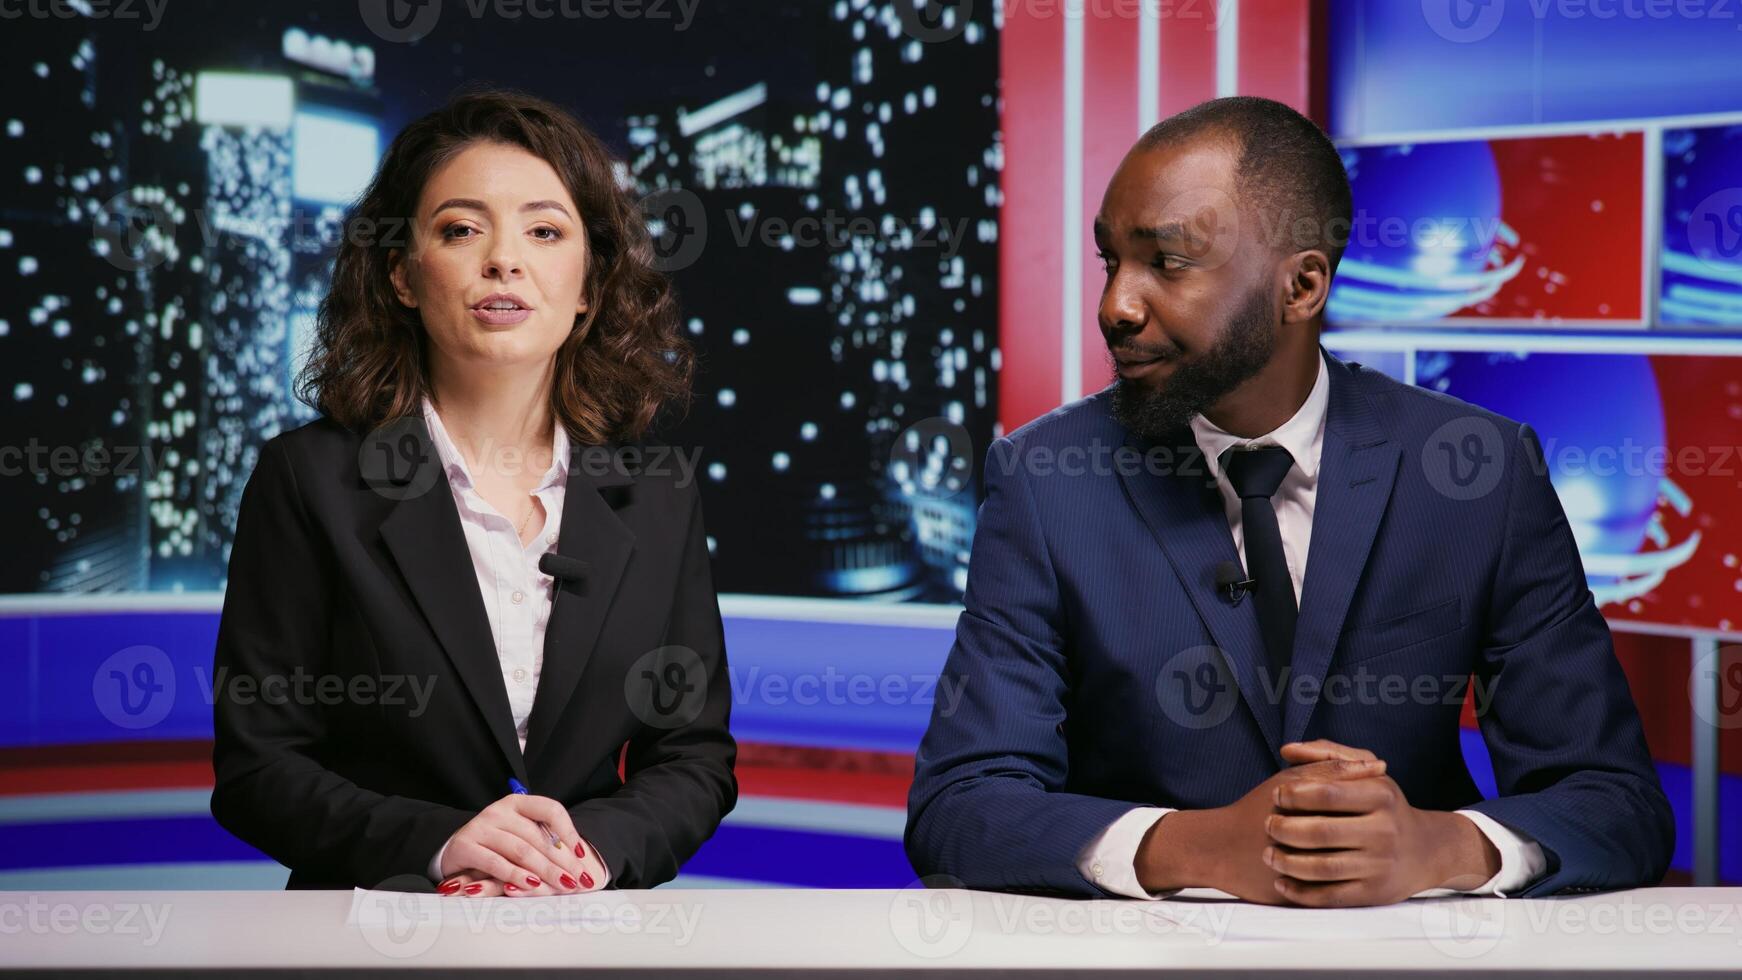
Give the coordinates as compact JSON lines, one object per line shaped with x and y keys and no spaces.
{"x":1169,"y":262}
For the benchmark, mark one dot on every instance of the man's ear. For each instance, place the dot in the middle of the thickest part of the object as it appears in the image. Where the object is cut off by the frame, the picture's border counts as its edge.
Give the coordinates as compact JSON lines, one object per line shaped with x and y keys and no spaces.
{"x":1307,"y":287}
{"x":396,"y":273}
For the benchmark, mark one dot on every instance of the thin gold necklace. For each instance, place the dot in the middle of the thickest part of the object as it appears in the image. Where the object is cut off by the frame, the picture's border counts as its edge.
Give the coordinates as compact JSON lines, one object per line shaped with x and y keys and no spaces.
{"x":520,"y":532}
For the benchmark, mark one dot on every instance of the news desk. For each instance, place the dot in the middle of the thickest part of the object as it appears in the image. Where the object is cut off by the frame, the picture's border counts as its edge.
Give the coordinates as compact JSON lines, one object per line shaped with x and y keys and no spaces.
{"x":734,"y":932}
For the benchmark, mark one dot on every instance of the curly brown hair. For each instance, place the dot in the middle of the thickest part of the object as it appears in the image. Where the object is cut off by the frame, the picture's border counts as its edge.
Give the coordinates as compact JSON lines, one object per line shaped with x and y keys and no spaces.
{"x":623,"y":362}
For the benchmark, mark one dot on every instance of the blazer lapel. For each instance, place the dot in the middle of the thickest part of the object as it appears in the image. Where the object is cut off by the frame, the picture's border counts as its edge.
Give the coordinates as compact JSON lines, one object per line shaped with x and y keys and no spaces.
{"x":598,"y":483}
{"x":423,"y":535}
{"x":1184,"y":511}
{"x":1357,"y":467}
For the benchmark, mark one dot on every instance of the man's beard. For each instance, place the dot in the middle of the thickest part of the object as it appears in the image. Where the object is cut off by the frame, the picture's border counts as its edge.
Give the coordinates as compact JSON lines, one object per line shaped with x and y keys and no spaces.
{"x":1165,"y":412}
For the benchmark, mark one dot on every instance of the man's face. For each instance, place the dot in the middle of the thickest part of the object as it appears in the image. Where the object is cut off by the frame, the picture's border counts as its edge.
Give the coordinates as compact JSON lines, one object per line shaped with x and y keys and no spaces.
{"x":1188,"y":310}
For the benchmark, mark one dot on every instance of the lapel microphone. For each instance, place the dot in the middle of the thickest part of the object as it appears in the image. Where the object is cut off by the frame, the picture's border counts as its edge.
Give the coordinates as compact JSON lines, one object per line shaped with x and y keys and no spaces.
{"x":563,"y":568}
{"x":1231,"y":581}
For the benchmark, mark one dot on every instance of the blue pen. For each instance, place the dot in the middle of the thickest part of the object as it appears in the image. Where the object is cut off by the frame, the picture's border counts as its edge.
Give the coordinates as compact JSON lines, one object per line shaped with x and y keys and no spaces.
{"x":514,"y":786}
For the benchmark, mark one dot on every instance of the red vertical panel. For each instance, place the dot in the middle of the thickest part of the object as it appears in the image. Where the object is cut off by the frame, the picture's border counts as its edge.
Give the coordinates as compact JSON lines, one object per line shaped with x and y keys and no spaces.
{"x":1188,"y":59}
{"x":1275,"y":41}
{"x":1110,"y":126}
{"x":1030,"y":256}
{"x":1658,"y":669}
{"x":1275,"y":37}
{"x":1657,"y":677}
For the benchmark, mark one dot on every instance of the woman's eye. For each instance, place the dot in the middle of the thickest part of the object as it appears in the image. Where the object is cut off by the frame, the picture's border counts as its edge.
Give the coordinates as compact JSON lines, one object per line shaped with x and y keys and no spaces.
{"x":554,"y":233}
{"x":449,"y":231}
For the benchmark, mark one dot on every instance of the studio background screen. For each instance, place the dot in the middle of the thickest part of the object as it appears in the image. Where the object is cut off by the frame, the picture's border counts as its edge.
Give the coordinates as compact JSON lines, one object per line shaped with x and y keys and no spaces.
{"x":825,"y":190}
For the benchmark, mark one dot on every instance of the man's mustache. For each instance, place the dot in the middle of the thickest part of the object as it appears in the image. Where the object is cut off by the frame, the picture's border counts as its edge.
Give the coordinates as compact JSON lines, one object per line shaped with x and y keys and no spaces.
{"x":1131,"y":353}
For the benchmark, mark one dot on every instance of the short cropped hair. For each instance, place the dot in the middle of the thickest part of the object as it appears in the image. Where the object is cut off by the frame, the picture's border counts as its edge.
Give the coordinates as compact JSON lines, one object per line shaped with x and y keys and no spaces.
{"x":1288,"y":169}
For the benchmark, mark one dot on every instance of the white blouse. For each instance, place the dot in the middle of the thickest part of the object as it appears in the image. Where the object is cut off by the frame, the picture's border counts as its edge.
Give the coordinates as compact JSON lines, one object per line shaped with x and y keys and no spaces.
{"x":517,"y":596}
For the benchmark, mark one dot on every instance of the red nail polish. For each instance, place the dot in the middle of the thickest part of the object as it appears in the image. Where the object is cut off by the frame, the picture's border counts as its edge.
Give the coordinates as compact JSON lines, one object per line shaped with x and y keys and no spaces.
{"x":531,"y":882}
{"x":586,"y":880}
{"x":449,"y":887}
{"x":568,"y":881}
{"x":579,"y":850}
{"x":511,"y":886}
{"x":474,"y":888}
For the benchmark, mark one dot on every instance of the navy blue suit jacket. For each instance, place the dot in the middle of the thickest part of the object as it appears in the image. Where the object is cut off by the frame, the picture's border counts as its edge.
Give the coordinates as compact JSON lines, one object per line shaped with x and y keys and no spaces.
{"x":1101,"y":668}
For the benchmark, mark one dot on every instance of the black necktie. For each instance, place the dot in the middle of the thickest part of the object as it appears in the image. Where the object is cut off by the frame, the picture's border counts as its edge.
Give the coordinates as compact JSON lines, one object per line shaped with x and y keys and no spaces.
{"x":1255,"y":474}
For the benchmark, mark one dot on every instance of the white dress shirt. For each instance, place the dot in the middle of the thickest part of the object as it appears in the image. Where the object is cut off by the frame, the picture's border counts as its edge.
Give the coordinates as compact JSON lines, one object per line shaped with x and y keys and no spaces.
{"x":1110,"y":860}
{"x":517,"y":595}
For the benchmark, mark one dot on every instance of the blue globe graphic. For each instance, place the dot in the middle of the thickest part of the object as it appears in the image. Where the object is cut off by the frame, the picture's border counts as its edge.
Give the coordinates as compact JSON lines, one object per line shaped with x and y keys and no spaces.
{"x":1458,"y":182}
{"x":1578,"y":404}
{"x":1702,"y":227}
{"x":1697,"y":163}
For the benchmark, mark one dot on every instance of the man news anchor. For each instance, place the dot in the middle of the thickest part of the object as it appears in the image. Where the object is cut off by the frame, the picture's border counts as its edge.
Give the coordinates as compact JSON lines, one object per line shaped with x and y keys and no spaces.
{"x":1181,"y":654}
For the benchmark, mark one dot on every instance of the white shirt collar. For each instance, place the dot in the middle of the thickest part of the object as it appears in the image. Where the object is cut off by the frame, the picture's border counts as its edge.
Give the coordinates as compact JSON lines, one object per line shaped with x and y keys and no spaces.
{"x":1301,"y":435}
{"x":455,"y":462}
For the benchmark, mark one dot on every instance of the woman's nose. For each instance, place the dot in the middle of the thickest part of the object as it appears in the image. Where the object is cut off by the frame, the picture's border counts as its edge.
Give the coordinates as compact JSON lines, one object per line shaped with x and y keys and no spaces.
{"x":502,"y":262}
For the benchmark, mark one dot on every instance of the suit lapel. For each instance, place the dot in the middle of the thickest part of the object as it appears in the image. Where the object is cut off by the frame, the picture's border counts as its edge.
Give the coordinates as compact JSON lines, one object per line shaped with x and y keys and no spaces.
{"x":1184,"y":511}
{"x":424,"y":537}
{"x":1357,"y":467}
{"x":591,"y":531}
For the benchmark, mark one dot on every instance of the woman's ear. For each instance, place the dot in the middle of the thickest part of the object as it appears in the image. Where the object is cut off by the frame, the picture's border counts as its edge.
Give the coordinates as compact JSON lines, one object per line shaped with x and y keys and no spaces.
{"x":582,"y":305}
{"x":396,"y":273}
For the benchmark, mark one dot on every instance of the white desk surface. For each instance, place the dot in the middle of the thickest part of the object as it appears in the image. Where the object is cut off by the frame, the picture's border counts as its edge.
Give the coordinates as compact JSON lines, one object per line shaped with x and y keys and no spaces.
{"x":1690,"y":930}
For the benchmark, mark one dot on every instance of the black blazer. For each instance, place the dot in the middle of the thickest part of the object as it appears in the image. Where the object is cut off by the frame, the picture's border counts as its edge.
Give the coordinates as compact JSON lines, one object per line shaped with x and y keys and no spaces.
{"x":359,"y":709}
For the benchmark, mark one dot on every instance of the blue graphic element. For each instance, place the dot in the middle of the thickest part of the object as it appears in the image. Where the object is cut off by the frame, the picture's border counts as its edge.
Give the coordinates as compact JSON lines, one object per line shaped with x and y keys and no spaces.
{"x":794,"y":682}
{"x":134,"y":687}
{"x":1702,"y":227}
{"x":1600,"y":422}
{"x":1427,"y":238}
{"x":806,"y":858}
{"x":1415,"y":65}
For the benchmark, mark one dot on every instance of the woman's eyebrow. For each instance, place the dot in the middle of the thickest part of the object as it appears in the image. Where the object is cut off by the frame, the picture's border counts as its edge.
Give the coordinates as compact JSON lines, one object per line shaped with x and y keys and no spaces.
{"x":473,"y":204}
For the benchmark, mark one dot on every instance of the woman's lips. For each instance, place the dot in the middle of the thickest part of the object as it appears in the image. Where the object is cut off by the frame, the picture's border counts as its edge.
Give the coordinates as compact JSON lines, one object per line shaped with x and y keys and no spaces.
{"x":500,"y":317}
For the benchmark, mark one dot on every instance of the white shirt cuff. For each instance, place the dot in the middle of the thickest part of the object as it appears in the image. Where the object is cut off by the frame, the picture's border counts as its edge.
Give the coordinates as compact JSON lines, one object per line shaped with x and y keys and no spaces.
{"x":1110,"y":860}
{"x":1521,"y":860}
{"x":435,"y":864}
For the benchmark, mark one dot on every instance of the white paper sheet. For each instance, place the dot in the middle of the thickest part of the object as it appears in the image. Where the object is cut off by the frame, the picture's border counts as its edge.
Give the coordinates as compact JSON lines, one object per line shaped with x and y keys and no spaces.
{"x":400,"y":910}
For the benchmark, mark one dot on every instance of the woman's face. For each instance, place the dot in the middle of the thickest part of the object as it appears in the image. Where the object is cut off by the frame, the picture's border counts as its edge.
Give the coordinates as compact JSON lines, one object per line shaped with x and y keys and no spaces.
{"x":494,"y":221}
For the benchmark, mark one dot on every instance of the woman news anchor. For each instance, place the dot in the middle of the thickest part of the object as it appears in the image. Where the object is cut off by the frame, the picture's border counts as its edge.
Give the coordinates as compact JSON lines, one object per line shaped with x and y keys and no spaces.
{"x":470,"y":570}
